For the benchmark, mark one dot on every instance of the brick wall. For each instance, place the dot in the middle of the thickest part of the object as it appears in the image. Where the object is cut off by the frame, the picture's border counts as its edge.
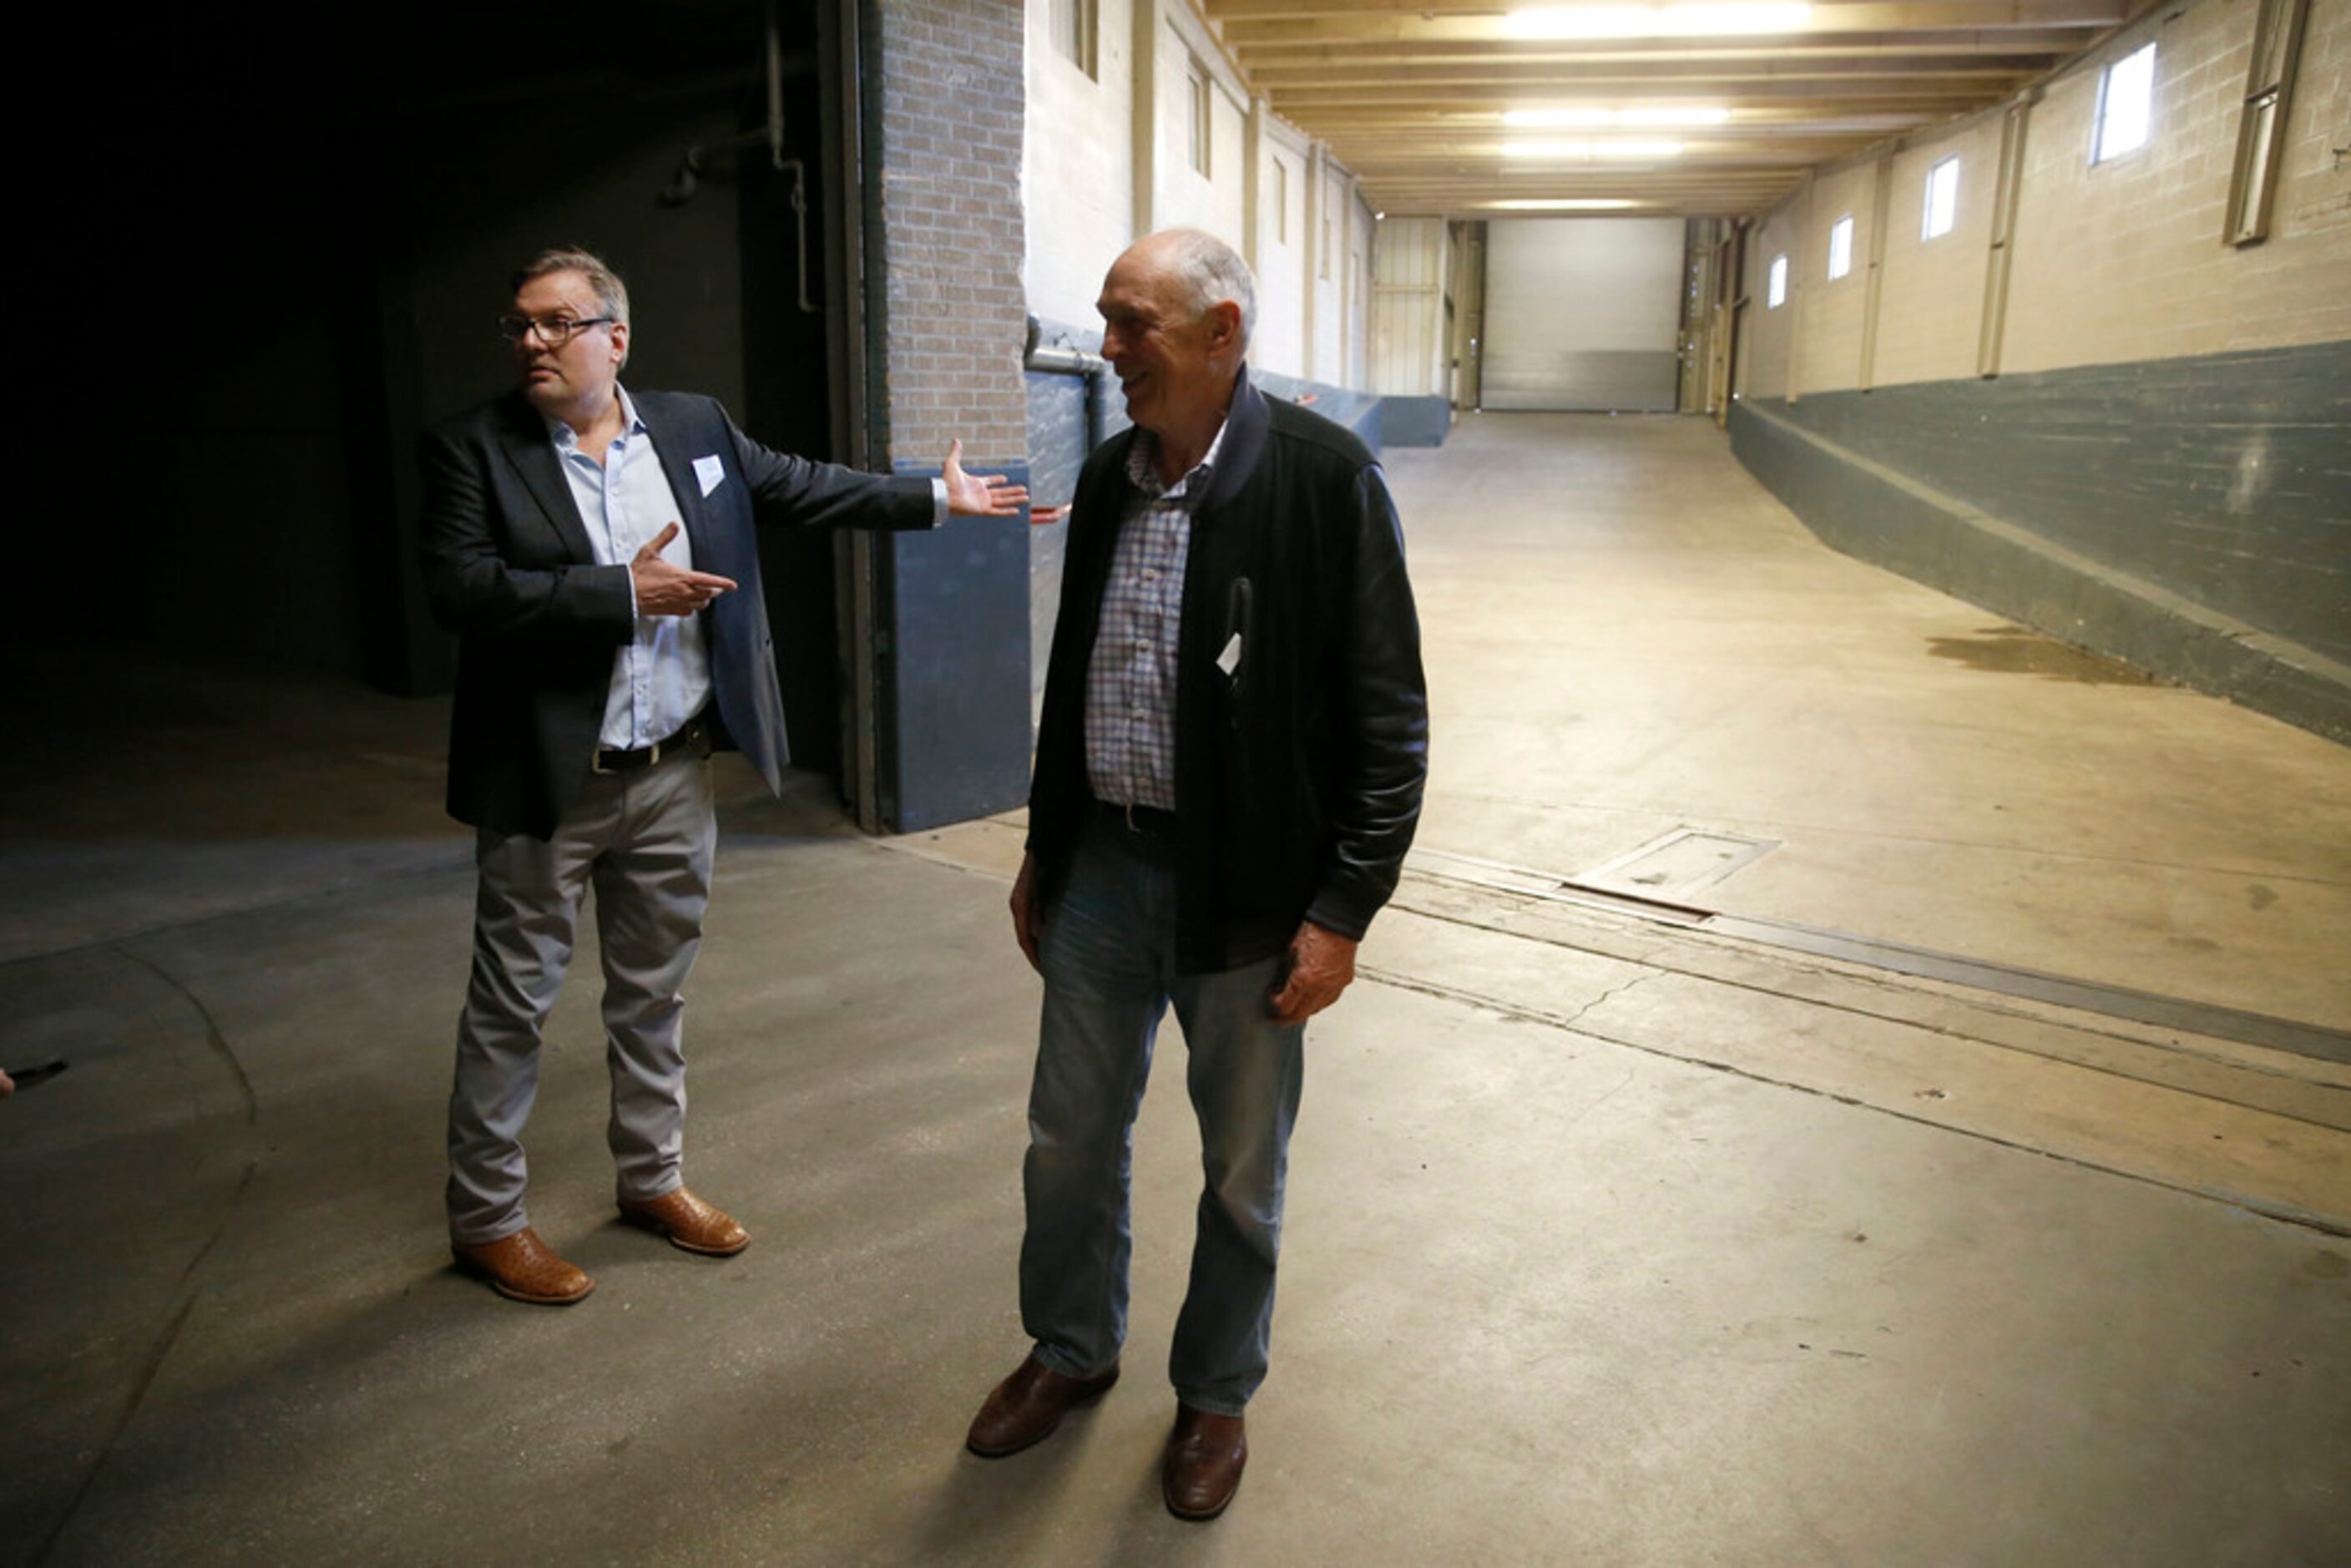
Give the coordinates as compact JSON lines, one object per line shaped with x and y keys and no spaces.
{"x":1764,"y":355}
{"x":1830,"y":346}
{"x":1930,"y":307}
{"x":2114,"y":263}
{"x":2123,"y":260}
{"x":952,"y":110}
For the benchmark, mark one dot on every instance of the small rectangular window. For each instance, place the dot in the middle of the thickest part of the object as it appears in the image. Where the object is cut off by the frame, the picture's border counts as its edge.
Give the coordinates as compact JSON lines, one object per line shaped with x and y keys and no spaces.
{"x":1840,"y":246}
{"x":1776,"y":294}
{"x":1202,"y":108}
{"x":1074,"y":23}
{"x":1281,"y":201}
{"x":1942,"y":198}
{"x":1326,"y":244}
{"x":2126,"y":98}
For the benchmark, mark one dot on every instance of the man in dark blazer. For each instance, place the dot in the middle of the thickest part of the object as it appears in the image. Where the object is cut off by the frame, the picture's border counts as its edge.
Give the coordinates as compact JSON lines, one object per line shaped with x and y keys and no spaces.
{"x":595,"y":551}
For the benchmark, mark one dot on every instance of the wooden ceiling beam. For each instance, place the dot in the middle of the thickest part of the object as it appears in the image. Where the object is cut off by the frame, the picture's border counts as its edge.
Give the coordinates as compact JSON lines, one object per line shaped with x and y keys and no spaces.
{"x":1954,"y":94}
{"x":1856,"y":46}
{"x":2063,"y":16}
{"x":1763,"y":67}
{"x":1235,"y":12}
{"x":1854,"y":115}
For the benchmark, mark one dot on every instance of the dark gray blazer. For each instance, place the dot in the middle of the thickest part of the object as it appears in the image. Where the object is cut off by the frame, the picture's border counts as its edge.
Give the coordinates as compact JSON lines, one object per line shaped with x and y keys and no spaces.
{"x":508,"y":567}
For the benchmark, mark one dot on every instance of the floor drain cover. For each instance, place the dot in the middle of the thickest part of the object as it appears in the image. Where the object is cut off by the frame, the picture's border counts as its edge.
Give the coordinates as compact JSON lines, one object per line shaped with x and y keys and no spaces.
{"x":1678,"y":863}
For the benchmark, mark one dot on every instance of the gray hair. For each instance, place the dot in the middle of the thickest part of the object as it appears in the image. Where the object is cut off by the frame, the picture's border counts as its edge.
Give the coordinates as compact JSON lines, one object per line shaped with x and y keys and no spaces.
{"x":612,"y":294}
{"x":1213,"y":272}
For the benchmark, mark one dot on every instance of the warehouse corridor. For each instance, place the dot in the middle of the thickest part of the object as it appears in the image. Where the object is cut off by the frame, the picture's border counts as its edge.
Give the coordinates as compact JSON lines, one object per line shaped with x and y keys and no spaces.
{"x":1616,"y":1235}
{"x":1627,"y":635}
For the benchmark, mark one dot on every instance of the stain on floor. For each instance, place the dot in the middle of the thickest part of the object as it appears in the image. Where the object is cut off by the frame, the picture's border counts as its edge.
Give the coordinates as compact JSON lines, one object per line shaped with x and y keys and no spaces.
{"x":2012,"y":650}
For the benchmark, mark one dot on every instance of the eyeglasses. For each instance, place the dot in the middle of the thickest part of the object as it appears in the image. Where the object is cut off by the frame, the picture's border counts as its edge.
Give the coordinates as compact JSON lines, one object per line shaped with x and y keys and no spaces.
{"x":553,"y":331}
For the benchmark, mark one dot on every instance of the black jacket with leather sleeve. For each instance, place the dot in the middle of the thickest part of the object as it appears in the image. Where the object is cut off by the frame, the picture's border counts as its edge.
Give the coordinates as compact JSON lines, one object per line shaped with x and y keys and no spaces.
{"x":1299,"y":773}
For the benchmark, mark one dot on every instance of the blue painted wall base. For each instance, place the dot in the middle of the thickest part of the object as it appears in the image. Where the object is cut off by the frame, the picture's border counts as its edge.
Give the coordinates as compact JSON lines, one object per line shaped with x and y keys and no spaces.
{"x":953,"y":674}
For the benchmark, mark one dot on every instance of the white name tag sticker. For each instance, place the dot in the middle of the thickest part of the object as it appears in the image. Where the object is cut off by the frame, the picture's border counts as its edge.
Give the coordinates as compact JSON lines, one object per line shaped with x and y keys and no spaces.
{"x":710,"y":472}
{"x":1230,"y":659}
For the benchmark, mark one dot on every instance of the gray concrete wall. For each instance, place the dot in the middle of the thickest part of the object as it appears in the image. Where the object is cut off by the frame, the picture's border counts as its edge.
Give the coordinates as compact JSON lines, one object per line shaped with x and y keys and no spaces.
{"x":2225,"y":478}
{"x":2190,"y":516}
{"x":1414,"y":421}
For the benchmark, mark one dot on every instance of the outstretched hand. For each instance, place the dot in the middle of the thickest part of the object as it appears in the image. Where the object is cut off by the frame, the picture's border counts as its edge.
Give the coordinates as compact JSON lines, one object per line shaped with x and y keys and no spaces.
{"x":1322,"y":965}
{"x":667,"y":589}
{"x":990,"y":494}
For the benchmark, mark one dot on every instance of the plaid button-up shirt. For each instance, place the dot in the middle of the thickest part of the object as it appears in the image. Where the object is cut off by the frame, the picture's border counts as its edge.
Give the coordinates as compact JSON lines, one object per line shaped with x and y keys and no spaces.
{"x":1131,"y":683}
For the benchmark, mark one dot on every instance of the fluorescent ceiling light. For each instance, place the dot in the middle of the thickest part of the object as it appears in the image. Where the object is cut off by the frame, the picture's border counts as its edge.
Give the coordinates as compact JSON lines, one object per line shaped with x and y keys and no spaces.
{"x":1653,"y":21}
{"x":1564,"y":205}
{"x":1586,"y":117}
{"x":1590,"y":150}
{"x":1672,"y":116}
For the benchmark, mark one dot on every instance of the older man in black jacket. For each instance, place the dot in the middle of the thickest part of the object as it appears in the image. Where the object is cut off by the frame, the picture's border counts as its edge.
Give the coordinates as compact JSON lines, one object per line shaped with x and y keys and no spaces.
{"x":1228,"y":773}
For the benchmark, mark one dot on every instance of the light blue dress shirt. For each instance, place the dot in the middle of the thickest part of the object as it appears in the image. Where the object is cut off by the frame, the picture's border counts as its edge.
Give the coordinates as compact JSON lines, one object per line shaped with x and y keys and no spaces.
{"x":660,"y":678}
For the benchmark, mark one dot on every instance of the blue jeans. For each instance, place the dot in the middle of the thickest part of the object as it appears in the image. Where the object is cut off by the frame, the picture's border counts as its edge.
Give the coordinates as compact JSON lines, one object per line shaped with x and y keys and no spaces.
{"x":1109,"y":956}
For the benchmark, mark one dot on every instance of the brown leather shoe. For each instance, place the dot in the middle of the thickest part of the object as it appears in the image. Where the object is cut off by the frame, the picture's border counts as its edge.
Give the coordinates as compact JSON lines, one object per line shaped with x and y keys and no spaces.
{"x":1203,"y":1467}
{"x":1025,"y":1408}
{"x":522,"y":1267}
{"x":688,"y":1222}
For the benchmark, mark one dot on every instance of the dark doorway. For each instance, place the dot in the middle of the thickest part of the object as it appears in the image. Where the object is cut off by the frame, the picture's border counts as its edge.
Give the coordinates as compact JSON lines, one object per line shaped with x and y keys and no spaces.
{"x":788,"y":378}
{"x":285,"y":264}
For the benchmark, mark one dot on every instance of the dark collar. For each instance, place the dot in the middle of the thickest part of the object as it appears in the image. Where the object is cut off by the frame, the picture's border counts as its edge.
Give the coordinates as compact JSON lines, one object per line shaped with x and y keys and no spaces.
{"x":1246,"y":425}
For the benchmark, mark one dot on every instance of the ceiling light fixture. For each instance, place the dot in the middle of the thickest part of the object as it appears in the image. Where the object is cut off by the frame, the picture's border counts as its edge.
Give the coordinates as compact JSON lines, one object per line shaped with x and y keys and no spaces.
{"x":1654,"y":21}
{"x":1563,"y":204}
{"x":1587,"y":150}
{"x":1554,"y":118}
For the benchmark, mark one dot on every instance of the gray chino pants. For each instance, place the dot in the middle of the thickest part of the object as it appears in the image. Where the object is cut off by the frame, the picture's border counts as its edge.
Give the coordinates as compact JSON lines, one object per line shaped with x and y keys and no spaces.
{"x":644,"y":840}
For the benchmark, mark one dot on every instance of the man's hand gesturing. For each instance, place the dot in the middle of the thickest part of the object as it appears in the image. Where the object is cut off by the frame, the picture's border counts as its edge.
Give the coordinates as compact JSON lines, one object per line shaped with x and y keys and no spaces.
{"x":990,"y":494}
{"x":667,"y":589}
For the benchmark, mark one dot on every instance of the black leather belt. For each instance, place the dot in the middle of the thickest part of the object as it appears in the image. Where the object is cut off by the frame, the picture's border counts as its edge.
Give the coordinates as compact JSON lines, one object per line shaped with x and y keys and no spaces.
{"x":1145,"y":822}
{"x":694,"y":731}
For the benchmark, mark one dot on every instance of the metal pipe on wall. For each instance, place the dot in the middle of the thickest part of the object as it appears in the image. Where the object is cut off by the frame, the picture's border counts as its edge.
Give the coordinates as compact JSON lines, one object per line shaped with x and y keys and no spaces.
{"x":1052,"y":359}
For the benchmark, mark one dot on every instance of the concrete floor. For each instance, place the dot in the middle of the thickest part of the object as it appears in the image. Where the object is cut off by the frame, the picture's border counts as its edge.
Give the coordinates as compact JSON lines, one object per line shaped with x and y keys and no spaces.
{"x":1611,"y":1241}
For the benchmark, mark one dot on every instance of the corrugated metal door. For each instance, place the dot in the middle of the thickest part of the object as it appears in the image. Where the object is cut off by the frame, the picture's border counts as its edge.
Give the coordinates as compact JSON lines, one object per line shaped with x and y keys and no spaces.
{"x":1583,"y":313}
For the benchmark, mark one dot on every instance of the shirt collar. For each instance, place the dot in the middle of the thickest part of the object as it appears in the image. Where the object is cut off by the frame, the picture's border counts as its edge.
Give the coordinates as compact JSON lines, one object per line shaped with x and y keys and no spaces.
{"x":568,"y":439}
{"x":1145,"y":478}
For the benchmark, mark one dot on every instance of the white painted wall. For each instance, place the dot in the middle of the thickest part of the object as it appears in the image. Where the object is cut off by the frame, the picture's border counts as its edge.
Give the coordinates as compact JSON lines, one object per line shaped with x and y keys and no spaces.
{"x":1329,"y":277}
{"x":1408,"y":283}
{"x":1362,"y":244}
{"x":1280,"y":342}
{"x":1077,"y":182}
{"x":1183,"y":196}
